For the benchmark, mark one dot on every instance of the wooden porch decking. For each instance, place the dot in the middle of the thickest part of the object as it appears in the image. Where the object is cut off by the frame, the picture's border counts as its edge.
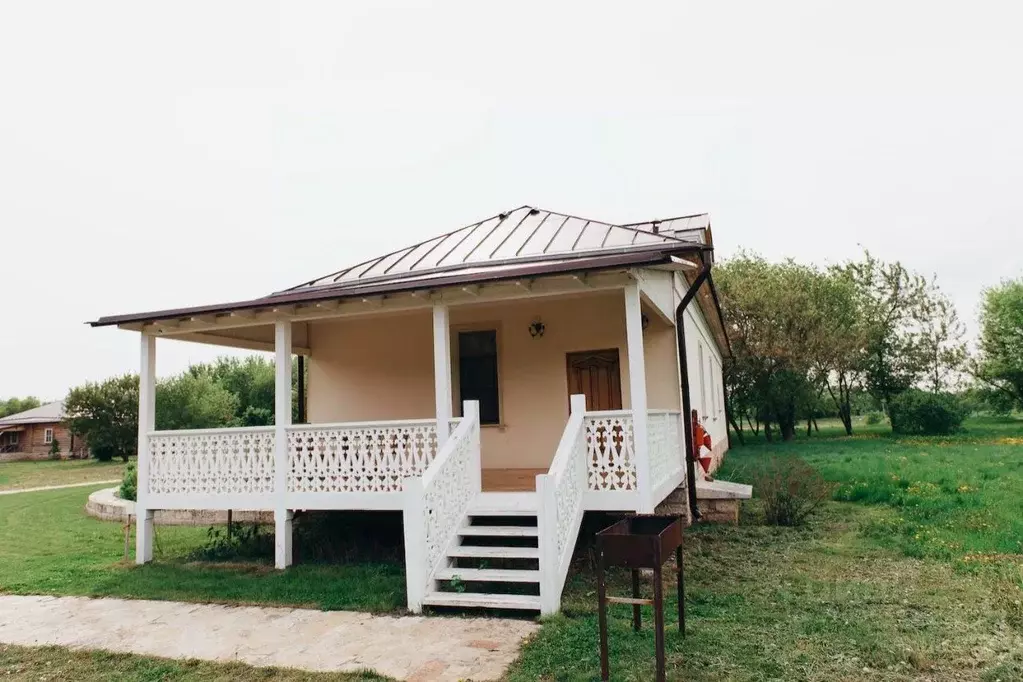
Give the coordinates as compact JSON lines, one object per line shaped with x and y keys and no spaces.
{"x":510,"y":480}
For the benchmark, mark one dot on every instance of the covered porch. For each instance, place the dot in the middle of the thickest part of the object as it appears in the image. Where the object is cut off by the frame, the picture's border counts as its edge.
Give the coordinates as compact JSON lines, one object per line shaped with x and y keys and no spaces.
{"x":547,"y":398}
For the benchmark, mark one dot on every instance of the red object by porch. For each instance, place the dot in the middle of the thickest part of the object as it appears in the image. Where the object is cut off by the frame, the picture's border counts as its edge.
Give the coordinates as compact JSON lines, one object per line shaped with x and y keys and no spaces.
{"x":701,"y":439}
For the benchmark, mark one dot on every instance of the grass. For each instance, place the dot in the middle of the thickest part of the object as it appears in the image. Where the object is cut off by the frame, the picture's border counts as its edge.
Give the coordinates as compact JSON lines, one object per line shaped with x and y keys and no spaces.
{"x":36,"y":474}
{"x":49,"y":546}
{"x":58,"y":664}
{"x":913,"y":572}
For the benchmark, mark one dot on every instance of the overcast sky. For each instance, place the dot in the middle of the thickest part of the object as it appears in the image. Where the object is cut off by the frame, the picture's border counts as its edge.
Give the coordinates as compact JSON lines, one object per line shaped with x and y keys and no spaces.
{"x":165,"y":154}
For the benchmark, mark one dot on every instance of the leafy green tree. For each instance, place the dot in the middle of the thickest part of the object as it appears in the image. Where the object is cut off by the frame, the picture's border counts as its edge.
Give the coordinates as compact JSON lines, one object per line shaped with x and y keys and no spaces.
{"x":1000,"y":361}
{"x":891,"y":302}
{"x":106,"y":415}
{"x":16,"y":405}
{"x":942,"y":342}
{"x":772,"y":320}
{"x":194,"y":401}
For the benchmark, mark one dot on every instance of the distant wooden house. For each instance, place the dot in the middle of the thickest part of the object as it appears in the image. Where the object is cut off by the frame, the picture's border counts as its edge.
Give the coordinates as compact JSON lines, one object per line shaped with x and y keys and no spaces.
{"x":31,"y":434}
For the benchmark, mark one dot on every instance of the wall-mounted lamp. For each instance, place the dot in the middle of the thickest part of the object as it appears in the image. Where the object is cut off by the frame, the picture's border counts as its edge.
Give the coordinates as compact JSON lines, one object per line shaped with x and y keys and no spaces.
{"x":537,"y":328}
{"x":644,"y":321}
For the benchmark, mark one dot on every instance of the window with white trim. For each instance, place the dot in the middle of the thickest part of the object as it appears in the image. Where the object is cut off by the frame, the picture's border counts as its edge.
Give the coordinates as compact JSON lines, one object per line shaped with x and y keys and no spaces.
{"x":703,"y":381}
{"x":47,"y":436}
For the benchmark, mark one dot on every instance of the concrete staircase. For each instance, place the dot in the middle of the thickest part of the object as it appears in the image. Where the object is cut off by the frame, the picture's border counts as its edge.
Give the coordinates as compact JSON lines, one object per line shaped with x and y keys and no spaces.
{"x":495,"y":562}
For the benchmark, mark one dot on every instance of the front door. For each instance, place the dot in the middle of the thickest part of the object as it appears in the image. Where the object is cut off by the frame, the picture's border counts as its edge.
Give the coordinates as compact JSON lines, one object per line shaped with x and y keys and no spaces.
{"x":597,"y":375}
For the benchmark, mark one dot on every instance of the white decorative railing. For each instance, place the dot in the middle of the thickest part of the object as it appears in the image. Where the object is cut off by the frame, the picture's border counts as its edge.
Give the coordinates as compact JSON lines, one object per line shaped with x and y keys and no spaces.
{"x":436,"y":504}
{"x":560,"y":506}
{"x":610,"y":451}
{"x":667,"y":449}
{"x":368,"y":457}
{"x":211,"y":462}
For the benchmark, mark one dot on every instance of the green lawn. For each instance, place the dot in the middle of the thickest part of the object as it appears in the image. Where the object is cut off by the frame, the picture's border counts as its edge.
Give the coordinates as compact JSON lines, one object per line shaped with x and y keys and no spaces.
{"x":913,"y":572}
{"x":58,"y":664}
{"x":49,"y":546}
{"x":43,"y":473}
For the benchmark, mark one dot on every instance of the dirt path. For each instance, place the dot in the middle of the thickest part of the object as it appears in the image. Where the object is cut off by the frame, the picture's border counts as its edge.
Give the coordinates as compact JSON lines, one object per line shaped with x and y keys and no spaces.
{"x":57,"y":487}
{"x":413,"y":648}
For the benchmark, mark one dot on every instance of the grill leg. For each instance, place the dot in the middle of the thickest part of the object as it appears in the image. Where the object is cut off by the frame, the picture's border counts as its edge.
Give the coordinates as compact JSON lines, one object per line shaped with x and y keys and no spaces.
{"x":681,"y":591}
{"x":637,"y":618}
{"x":659,"y":622}
{"x":602,"y":616}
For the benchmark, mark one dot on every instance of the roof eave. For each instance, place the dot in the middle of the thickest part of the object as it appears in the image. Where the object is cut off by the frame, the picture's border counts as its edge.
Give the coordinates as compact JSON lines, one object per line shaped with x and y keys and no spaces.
{"x":605,"y":262}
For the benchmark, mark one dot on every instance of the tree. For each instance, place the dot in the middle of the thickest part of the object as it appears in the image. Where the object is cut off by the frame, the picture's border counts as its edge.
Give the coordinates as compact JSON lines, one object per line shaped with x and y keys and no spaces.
{"x":106,"y":415}
{"x":772,"y":320}
{"x":1000,"y":361}
{"x":890,"y":302}
{"x":194,"y":401}
{"x":16,"y":405}
{"x":941,"y":341}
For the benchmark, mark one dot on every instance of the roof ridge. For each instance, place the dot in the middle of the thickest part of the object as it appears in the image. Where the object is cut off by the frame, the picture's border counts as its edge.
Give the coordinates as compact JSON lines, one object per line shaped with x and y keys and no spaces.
{"x":370,"y":262}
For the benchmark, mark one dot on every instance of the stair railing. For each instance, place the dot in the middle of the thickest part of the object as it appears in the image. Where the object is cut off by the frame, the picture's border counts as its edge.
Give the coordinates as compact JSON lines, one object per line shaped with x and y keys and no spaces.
{"x":436,"y":504}
{"x":560,"y":507}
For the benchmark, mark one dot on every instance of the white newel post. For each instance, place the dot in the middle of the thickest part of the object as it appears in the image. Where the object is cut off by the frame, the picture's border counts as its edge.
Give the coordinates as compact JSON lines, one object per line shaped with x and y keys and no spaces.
{"x":147,"y":423}
{"x":442,"y":371}
{"x":282,"y":420}
{"x":637,"y":392}
{"x":414,"y":525}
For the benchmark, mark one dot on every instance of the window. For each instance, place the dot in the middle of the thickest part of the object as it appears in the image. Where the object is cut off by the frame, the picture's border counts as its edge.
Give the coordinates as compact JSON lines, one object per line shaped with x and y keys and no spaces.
{"x":48,"y":436}
{"x":12,"y":437}
{"x":703,"y":382}
{"x":477,"y":372}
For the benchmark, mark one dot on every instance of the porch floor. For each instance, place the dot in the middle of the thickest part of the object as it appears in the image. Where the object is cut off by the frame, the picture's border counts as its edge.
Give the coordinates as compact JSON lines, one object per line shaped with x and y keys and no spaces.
{"x":510,"y":480}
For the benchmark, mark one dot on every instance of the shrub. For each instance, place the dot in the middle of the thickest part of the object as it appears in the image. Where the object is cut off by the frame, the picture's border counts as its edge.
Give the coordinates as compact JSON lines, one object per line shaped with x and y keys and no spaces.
{"x":874,"y":418}
{"x":130,"y":482}
{"x":790,"y":490}
{"x":244,"y":541}
{"x":54,"y":449}
{"x":102,"y":453}
{"x":928,"y":414}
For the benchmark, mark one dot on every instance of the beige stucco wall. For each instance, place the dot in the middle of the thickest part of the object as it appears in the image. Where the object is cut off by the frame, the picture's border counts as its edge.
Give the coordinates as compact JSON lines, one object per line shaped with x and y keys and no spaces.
{"x":376,"y":368}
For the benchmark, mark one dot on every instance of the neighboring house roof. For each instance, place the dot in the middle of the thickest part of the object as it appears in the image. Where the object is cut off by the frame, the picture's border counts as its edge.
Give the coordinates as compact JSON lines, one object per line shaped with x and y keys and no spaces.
{"x":44,"y":414}
{"x":523,"y":242}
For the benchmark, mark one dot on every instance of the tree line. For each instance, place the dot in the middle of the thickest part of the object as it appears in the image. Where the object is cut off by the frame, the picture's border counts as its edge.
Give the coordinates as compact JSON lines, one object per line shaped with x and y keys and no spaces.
{"x":223,"y":393}
{"x":809,"y":341}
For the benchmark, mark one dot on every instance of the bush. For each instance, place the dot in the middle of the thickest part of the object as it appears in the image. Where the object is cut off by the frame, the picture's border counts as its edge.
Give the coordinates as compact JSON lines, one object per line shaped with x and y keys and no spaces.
{"x":242,"y":541}
{"x":927,"y":414}
{"x":790,"y":490}
{"x":130,"y":482}
{"x":54,"y":449}
{"x":103,"y":453}
{"x":874,"y":418}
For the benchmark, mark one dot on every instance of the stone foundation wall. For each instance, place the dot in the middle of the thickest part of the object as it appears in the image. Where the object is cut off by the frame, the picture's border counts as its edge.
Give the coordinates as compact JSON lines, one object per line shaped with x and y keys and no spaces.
{"x":106,"y":506}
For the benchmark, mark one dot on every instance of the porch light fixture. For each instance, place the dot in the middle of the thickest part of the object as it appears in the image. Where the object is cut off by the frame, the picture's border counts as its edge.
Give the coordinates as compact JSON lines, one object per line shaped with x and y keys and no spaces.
{"x":644,"y":321}
{"x":537,"y":328}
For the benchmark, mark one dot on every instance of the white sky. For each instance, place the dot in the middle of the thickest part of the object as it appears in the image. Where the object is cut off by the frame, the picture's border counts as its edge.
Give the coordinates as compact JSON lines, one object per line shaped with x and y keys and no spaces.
{"x":163,"y":154}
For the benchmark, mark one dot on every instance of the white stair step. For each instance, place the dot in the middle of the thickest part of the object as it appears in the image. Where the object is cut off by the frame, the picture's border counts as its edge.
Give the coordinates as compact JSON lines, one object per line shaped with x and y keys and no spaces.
{"x":482,"y":600}
{"x":501,"y":531}
{"x":495,"y":552}
{"x":504,"y":504}
{"x":490,"y":575}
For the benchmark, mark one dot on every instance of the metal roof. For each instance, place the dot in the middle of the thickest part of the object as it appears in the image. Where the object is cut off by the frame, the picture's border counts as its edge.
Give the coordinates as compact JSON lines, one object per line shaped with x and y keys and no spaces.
{"x":50,"y":412}
{"x":525,"y":234}
{"x":524,"y":242}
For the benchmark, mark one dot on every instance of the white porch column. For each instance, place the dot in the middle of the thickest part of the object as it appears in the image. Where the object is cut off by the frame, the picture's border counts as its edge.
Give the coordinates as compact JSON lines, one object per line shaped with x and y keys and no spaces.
{"x":282,"y":420}
{"x":147,"y":423}
{"x":442,"y":370}
{"x":637,"y":392}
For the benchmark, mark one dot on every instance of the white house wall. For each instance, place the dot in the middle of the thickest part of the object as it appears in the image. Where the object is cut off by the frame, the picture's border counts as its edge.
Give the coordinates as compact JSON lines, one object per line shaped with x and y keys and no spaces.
{"x":706,"y":380}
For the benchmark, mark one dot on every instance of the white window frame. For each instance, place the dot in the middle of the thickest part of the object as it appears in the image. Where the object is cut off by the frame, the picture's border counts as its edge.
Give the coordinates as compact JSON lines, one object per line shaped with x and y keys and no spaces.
{"x":47,"y":436}
{"x":13,"y":438}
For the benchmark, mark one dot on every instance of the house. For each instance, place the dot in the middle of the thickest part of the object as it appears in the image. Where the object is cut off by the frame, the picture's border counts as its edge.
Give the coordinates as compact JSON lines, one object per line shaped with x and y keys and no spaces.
{"x":31,"y":434}
{"x":492,"y":383}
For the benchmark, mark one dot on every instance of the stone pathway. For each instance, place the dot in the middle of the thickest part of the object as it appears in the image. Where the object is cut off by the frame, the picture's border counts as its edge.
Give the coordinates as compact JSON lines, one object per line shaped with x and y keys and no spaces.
{"x":58,"y":487}
{"x":413,"y":648}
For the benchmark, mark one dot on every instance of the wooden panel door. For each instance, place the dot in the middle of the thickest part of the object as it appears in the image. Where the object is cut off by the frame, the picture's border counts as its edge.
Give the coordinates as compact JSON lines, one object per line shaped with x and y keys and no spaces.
{"x":597,"y":375}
